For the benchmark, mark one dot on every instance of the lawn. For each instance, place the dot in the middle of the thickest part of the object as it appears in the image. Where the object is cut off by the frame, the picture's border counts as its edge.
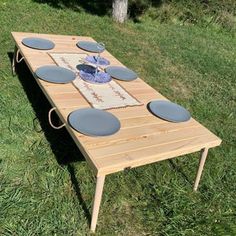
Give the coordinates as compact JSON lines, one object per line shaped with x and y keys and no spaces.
{"x":46,"y":187}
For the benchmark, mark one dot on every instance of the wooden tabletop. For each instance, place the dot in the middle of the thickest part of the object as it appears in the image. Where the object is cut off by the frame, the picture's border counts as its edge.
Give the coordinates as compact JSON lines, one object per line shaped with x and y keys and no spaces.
{"x":142,"y":139}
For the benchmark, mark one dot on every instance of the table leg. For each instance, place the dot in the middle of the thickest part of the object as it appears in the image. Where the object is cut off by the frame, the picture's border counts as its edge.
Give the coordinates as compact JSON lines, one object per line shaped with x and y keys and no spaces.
{"x":13,"y":65}
{"x":97,"y":201}
{"x":200,"y":168}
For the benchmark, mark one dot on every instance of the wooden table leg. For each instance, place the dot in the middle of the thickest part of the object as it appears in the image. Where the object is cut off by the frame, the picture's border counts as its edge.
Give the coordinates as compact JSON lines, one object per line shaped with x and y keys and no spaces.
{"x":200,"y":168}
{"x":97,"y":201}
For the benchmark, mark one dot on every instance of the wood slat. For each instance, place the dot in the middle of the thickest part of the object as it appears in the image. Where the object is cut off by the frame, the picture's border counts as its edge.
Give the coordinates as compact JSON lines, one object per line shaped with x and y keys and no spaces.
{"x":152,"y":154}
{"x":137,"y":133}
{"x":158,"y":137}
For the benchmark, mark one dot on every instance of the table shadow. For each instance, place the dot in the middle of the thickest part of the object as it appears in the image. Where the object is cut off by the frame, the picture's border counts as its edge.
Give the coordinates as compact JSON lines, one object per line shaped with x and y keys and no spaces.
{"x":61,"y":143}
{"x":180,"y":171}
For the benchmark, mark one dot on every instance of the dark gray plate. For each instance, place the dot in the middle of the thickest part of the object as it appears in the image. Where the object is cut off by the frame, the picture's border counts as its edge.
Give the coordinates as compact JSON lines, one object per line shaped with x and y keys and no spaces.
{"x":121,"y":73}
{"x":55,"y":74}
{"x":89,"y":46}
{"x":169,"y":111}
{"x":38,"y":43}
{"x":94,"y":122}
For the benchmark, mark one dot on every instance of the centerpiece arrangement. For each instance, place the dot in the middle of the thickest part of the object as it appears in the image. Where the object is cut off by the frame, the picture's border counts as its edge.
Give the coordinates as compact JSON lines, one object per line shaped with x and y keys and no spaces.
{"x":93,"y":73}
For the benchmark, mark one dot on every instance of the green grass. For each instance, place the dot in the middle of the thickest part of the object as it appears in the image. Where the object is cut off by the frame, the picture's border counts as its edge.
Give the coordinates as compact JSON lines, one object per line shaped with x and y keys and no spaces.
{"x":44,"y":191}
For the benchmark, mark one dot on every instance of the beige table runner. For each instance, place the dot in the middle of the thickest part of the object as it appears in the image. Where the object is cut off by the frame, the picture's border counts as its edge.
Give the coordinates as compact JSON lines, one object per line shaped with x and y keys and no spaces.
{"x":105,"y":96}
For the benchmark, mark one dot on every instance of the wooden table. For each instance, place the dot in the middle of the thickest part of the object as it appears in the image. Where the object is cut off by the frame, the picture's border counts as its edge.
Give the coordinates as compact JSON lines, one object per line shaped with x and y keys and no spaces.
{"x":142,"y":139}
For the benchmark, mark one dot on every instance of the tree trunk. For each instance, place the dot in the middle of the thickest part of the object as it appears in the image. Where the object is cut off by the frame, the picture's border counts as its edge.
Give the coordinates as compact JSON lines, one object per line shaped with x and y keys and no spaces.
{"x":120,"y":9}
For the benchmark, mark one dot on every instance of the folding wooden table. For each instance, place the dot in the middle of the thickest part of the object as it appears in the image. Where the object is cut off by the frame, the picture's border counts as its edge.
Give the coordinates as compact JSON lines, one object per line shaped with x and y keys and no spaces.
{"x":142,"y":139}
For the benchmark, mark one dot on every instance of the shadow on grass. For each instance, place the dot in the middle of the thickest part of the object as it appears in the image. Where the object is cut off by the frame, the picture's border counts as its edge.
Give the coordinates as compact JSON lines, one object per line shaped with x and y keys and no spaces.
{"x":101,"y":7}
{"x":76,"y":188}
{"x":62,"y":145}
{"x":180,"y":171}
{"x":95,"y":7}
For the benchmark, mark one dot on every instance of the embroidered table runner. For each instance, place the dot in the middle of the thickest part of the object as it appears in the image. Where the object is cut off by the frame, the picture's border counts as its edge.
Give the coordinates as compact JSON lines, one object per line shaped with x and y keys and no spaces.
{"x":105,"y":96}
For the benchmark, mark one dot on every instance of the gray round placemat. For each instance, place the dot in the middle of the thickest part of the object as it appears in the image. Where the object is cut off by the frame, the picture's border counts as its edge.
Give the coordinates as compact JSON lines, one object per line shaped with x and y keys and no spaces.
{"x":169,"y":111}
{"x":94,"y":122}
{"x":121,"y":73}
{"x":55,"y":74}
{"x":89,"y":46}
{"x":38,"y":43}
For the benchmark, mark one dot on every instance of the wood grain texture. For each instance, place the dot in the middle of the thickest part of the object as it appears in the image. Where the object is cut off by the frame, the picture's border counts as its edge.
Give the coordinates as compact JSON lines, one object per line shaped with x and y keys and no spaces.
{"x":97,"y":201}
{"x":142,"y":139}
{"x":200,"y":168}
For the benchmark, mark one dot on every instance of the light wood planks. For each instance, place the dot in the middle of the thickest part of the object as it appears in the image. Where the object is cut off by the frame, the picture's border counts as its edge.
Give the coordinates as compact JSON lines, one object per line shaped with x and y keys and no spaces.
{"x":143,"y":138}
